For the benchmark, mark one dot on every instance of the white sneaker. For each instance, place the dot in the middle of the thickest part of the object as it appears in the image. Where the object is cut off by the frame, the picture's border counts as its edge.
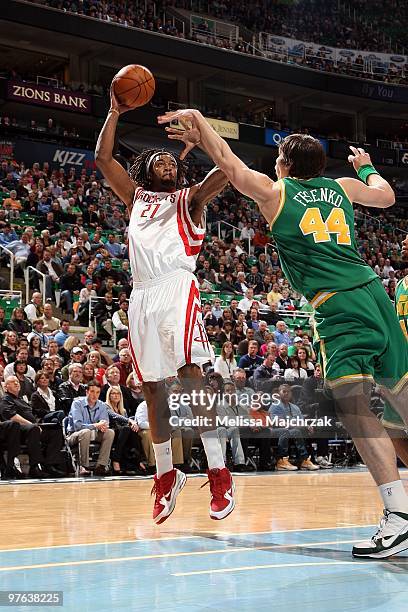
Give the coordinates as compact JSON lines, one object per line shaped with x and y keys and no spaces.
{"x":390,"y":539}
{"x":323,"y":463}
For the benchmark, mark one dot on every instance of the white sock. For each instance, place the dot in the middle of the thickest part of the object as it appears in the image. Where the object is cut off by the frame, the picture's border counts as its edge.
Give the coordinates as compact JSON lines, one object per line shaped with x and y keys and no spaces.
{"x":164,"y":457}
{"x":213,"y":449}
{"x":394,"y":496}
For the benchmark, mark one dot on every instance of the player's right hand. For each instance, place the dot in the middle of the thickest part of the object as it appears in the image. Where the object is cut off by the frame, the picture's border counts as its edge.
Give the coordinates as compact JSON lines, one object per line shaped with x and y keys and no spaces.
{"x":114,"y":103}
{"x":359,"y":158}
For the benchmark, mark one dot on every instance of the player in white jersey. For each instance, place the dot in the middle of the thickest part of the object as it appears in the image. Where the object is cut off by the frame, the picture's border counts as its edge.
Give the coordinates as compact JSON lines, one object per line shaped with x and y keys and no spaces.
{"x":166,"y":333}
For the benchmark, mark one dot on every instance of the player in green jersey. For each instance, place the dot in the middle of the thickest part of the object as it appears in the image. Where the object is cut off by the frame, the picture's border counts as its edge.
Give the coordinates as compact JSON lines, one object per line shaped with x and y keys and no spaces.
{"x":360,"y":340}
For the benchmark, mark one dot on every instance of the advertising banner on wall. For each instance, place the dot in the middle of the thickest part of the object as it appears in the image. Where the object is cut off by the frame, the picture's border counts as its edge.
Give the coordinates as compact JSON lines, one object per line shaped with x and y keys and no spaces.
{"x":273,"y":138}
{"x":58,"y":156}
{"x":42,"y":95}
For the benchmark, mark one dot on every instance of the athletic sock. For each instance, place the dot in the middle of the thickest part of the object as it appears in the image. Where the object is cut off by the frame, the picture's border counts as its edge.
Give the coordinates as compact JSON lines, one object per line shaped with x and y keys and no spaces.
{"x":213,"y":449}
{"x":394,"y":496}
{"x":164,"y":457}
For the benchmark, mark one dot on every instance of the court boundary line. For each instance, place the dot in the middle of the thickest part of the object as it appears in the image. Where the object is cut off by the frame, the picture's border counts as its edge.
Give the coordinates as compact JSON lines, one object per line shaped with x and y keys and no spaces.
{"x":184,"y":537}
{"x":194,"y":553}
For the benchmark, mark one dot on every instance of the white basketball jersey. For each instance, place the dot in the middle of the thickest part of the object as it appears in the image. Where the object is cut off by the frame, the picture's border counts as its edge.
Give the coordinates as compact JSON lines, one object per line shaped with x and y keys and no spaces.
{"x":162,"y":235}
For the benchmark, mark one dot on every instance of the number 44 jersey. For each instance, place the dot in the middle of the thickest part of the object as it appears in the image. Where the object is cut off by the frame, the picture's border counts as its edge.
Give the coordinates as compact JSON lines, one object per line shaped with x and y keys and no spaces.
{"x":162,"y":235}
{"x":314,"y":233}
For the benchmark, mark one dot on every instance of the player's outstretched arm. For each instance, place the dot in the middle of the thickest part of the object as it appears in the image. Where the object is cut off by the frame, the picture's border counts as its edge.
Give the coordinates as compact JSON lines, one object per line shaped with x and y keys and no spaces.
{"x":254,"y":184}
{"x":116,"y":176}
{"x":375,"y":191}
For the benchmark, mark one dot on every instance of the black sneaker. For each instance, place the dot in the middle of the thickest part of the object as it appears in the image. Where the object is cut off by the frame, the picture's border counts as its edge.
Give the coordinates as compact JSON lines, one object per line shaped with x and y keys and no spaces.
{"x":12,"y":473}
{"x":391,"y":538}
{"x":36,"y":472}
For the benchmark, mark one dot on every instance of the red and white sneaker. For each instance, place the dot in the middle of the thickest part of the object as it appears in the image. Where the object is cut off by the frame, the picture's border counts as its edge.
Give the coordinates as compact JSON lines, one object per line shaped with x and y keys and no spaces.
{"x":166,"y":488}
{"x":222,"y":489}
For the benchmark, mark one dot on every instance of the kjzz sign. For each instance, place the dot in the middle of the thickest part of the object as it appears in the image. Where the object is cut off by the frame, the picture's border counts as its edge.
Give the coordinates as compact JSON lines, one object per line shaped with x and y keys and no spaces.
{"x":57,"y":156}
{"x":42,"y":95}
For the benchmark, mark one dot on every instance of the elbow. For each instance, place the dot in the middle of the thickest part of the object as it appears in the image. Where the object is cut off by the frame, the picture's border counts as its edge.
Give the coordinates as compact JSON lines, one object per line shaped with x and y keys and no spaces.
{"x":390,"y":200}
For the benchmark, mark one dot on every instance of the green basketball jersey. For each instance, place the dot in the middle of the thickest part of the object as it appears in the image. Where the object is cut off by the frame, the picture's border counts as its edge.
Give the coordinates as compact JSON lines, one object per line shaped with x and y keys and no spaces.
{"x":401,"y":304}
{"x":314,"y":233}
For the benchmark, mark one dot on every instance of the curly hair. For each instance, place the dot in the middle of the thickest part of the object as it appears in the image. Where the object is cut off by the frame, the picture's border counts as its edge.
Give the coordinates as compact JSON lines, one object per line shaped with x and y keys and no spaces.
{"x":139,"y":174}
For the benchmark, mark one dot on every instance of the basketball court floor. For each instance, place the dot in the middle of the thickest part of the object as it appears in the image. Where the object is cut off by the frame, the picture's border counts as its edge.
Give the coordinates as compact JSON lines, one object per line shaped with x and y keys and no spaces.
{"x":285,"y":547}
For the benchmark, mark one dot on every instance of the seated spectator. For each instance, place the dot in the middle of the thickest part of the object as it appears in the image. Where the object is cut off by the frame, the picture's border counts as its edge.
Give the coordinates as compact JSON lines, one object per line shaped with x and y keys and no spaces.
{"x":53,"y":272}
{"x":18,"y":322}
{"x":265,"y":373}
{"x":54,"y":380}
{"x":70,"y":285}
{"x":10,"y":442}
{"x":7,"y":235}
{"x":282,"y":359}
{"x":275,"y":295}
{"x":246,"y":303}
{"x":238,"y":335}
{"x":12,"y":201}
{"x":34,"y":309}
{"x":38,"y":326}
{"x":88,"y":373}
{"x":120,"y":319}
{"x":285,"y":303}
{"x":209,"y":319}
{"x":95,"y":359}
{"x":21,"y":250}
{"x":112,"y":376}
{"x":253,"y":320}
{"x":297,"y":343}
{"x":63,"y":333}
{"x":43,"y":402}
{"x":261,"y":437}
{"x":70,"y":390}
{"x":124,"y":365}
{"x":103,"y":313}
{"x":51,"y":323}
{"x":89,"y":420}
{"x":49,"y":441}
{"x":77,"y":355}
{"x":216,"y":309}
{"x":85,"y":295}
{"x":226,"y":409}
{"x":203,"y":283}
{"x":35,"y":353}
{"x":114,"y":249}
{"x":281,"y":335}
{"x":260,"y":334}
{"x":243,"y":345}
{"x":96,"y":345}
{"x":21,"y":355}
{"x":225,"y":364}
{"x":26,"y":385}
{"x":286,"y":410}
{"x":226,"y":333}
{"x":304,"y":361}
{"x":125,"y":433}
{"x":295,"y":372}
{"x":251,"y":361}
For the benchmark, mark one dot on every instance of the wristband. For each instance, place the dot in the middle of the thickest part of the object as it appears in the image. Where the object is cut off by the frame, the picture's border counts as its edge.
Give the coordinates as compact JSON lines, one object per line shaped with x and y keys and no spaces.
{"x":365,"y":171}
{"x":114,"y":110}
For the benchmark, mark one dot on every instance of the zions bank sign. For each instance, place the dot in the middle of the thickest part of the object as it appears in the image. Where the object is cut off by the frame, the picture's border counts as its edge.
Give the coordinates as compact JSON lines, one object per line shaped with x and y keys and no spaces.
{"x":30,"y":93}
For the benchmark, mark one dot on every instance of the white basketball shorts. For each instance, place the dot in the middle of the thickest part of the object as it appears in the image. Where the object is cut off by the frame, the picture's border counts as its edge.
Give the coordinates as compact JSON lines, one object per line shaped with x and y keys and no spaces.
{"x":166,"y":330}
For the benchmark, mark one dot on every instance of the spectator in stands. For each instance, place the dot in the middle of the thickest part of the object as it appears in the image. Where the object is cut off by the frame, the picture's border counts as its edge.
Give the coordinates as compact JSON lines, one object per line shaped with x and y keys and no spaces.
{"x":71,"y":389}
{"x":285,"y":303}
{"x":70,"y":285}
{"x":63,"y":334}
{"x":88,"y":420}
{"x":21,"y":355}
{"x":38,"y":326}
{"x":103,"y":313}
{"x":51,"y":323}
{"x":238,"y":335}
{"x":265,"y":373}
{"x":295,"y":372}
{"x":125,"y":433}
{"x":15,"y":409}
{"x":26,"y":385}
{"x":226,"y":408}
{"x":35,"y":353}
{"x":253,"y":319}
{"x":297,"y":343}
{"x":251,"y":361}
{"x":142,"y":420}
{"x":120,"y":319}
{"x":304,"y":361}
{"x":43,"y":403}
{"x":281,"y":335}
{"x":225,"y":364}
{"x":112,"y":376}
{"x":9,"y":441}
{"x":245,"y":304}
{"x":286,"y":410}
{"x":85,"y":295}
{"x":18,"y":322}
{"x":282,"y":359}
{"x":226,"y":333}
{"x":34,"y":309}
{"x":77,"y":355}
{"x":88,"y":372}
{"x":243,"y":345}
{"x":7,"y":235}
{"x":53,"y":272}
{"x":275,"y":295}
{"x":89,"y":336}
{"x":114,"y":249}
{"x":261,"y":332}
{"x":106,"y":360}
{"x":95,"y":359}
{"x":21,"y":250}
{"x":54,"y":380}
{"x":124,"y":365}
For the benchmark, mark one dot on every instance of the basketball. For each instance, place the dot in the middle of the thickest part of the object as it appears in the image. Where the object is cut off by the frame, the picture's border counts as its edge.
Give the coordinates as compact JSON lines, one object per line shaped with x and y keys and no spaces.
{"x":134,"y":86}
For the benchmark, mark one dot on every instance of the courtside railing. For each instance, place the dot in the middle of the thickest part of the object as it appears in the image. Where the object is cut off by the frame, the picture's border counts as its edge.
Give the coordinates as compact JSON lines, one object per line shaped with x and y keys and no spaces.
{"x":27,"y":282}
{"x":12,"y":261}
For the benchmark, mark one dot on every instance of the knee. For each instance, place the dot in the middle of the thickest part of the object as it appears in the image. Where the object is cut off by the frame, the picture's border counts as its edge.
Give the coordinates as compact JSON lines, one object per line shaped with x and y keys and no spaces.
{"x":109,"y":434}
{"x":84,"y":434}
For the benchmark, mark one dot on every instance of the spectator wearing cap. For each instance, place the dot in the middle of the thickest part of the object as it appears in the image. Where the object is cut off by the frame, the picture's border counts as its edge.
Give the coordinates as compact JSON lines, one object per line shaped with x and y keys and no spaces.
{"x":297,"y":343}
{"x":120,"y":319}
{"x":77,"y":355}
{"x":96,"y":345}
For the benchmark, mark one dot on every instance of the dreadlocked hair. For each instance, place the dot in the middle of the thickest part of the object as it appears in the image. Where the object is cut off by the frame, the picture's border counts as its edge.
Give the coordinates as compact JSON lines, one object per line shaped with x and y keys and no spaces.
{"x":139,"y":174}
